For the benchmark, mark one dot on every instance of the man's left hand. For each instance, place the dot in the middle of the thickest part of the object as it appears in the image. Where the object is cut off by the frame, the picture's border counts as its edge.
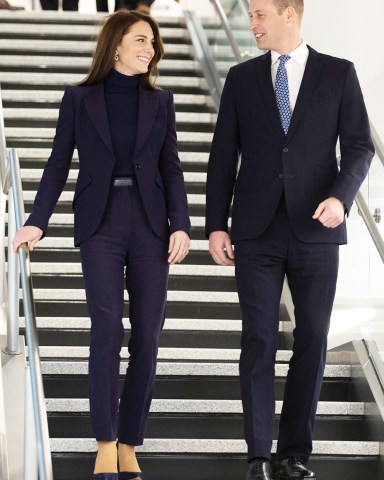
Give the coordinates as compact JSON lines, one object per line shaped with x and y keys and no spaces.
{"x":330,"y":212}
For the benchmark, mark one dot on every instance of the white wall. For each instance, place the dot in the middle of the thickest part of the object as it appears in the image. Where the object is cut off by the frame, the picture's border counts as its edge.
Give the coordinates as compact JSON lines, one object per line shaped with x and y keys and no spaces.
{"x":354,"y":30}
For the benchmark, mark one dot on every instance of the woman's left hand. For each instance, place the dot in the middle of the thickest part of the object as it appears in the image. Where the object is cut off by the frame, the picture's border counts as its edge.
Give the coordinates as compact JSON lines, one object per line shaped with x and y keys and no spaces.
{"x":178,"y":247}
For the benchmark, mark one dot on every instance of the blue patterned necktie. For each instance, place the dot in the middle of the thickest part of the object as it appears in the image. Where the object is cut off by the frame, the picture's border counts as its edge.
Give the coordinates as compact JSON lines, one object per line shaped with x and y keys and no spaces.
{"x":282,"y":93}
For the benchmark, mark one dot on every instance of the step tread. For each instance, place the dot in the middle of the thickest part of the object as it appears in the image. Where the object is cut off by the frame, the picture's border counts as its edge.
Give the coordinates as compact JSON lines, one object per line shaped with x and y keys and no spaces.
{"x":48,"y":134}
{"x":51,"y":114}
{"x":41,"y":78}
{"x":55,"y":96}
{"x":185,"y":369}
{"x":217,"y":446}
{"x":187,"y":324}
{"x":169,"y":405}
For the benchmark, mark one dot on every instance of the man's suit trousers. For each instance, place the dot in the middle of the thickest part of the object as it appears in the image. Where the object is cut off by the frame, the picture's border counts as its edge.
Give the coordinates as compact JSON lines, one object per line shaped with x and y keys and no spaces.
{"x":311,"y":270}
{"x":123,"y":253}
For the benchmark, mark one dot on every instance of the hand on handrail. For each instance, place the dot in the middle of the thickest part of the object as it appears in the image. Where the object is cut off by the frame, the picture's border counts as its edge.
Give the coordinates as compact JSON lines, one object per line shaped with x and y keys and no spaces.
{"x":26,"y":238}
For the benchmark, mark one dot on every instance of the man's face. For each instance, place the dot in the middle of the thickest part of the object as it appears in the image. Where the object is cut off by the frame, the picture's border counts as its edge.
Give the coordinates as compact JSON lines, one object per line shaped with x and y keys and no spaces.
{"x":267,"y":25}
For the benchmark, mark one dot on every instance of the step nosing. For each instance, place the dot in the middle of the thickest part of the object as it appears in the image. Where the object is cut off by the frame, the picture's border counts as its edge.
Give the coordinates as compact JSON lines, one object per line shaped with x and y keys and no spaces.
{"x":218,"y":446}
{"x":188,"y":406}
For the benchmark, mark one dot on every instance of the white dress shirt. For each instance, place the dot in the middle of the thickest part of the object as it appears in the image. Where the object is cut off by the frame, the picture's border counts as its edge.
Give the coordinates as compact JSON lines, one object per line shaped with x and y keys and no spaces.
{"x":295,"y":67}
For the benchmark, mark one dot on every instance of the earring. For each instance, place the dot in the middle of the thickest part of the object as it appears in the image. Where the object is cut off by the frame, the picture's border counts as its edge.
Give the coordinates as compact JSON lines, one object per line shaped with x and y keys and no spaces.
{"x":116,"y":56}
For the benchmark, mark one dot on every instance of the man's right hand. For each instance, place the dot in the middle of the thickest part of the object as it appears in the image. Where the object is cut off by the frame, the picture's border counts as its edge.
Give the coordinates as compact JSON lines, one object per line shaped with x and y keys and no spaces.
{"x":220,"y":247}
{"x":26,"y":237}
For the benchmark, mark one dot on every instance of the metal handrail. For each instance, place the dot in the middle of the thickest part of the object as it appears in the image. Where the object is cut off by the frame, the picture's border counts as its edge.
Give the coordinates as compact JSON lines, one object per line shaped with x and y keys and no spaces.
{"x":38,"y":399}
{"x":11,"y":184}
{"x":228,"y":31}
{"x":203,"y":55}
{"x":245,"y":6}
{"x":379,"y":145}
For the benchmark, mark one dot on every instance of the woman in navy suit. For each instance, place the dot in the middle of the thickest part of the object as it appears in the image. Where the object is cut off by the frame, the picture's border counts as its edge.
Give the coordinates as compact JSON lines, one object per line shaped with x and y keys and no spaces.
{"x":131,"y":222}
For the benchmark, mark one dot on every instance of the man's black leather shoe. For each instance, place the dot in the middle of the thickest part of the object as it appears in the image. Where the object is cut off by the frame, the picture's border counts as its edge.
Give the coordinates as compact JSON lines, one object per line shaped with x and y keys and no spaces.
{"x":292,"y":469}
{"x":259,"y":469}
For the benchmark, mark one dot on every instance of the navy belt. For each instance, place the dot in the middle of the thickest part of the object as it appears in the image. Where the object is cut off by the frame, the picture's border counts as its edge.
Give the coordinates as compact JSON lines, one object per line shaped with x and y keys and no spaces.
{"x":124,"y":181}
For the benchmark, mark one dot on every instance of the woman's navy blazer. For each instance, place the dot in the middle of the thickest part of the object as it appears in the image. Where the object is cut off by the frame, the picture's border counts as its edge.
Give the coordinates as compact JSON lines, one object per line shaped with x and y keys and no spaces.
{"x":83,"y":122}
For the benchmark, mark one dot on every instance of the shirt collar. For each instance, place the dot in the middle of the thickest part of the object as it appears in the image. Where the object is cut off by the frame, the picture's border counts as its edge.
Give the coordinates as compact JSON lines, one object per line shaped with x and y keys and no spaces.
{"x":299,"y":55}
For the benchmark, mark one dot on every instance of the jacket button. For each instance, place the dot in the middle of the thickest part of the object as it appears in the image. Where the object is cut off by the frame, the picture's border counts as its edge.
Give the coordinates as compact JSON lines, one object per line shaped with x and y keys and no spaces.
{"x":285,"y":150}
{"x":281,"y":175}
{"x":137,"y":166}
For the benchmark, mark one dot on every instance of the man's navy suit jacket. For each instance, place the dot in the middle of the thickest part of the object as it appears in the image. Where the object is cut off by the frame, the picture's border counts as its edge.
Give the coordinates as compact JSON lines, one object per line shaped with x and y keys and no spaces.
{"x":83,"y":122}
{"x":303,"y":164}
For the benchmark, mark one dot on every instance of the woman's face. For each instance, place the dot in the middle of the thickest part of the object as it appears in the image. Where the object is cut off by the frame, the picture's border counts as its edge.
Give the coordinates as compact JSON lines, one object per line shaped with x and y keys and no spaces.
{"x":136,"y":49}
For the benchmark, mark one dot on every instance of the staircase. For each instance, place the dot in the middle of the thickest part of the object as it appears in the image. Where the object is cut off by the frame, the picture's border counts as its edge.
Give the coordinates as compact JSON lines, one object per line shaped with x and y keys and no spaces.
{"x":195,"y":426}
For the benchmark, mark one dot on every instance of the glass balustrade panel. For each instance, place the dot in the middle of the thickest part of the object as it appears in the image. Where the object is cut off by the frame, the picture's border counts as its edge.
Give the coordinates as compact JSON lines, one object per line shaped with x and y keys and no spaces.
{"x":374,"y":331}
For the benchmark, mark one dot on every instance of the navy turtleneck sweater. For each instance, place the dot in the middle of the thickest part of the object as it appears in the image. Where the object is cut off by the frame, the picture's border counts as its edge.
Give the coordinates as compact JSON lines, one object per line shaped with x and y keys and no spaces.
{"x":122,"y":100}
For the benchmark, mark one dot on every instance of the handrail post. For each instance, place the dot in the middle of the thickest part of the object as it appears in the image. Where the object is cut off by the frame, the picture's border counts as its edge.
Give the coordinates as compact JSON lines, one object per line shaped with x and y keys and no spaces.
{"x":13,"y":284}
{"x":3,"y":275}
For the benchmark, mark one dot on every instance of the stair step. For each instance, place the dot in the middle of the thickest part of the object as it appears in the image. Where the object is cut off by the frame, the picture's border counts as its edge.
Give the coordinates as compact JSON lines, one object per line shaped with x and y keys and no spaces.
{"x":25,"y":133}
{"x":36,"y":173}
{"x":184,"y":369}
{"x":68,"y":18}
{"x":32,"y":154}
{"x":83,"y":63}
{"x":43,"y":99}
{"x":210,"y":426}
{"x":44,"y":114}
{"x":209,"y":466}
{"x":182,"y":324}
{"x":335,"y":389}
{"x":169,"y":338}
{"x":48,"y":268}
{"x":73,"y":295}
{"x":73,"y":268}
{"x":61,"y":79}
{"x":83,"y":32}
{"x":169,"y":354}
{"x":169,"y":405}
{"x":217,"y":446}
{"x":67,"y":219}
{"x":175,"y":309}
{"x":67,"y":197}
{"x":75,"y":48}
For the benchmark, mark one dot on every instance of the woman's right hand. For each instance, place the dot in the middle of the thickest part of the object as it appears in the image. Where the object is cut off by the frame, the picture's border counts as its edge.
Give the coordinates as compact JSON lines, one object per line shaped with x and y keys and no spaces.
{"x":26,"y":237}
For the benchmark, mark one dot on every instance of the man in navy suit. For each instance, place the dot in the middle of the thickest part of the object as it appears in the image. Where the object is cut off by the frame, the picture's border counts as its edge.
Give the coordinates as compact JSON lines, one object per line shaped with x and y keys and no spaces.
{"x":284,"y":113}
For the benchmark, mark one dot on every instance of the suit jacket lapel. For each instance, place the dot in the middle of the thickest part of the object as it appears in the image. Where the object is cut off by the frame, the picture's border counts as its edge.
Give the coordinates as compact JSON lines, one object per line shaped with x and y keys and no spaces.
{"x":95,"y":105}
{"x":148,"y":105}
{"x":264,"y":78}
{"x":311,"y":75}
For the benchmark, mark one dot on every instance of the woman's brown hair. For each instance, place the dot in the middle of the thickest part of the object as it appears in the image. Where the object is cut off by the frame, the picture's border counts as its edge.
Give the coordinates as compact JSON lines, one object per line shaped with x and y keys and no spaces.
{"x":111,"y":34}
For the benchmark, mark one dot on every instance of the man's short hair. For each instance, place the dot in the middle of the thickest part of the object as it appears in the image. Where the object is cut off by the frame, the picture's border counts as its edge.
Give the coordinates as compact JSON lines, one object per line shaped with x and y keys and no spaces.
{"x":298,"y":5}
